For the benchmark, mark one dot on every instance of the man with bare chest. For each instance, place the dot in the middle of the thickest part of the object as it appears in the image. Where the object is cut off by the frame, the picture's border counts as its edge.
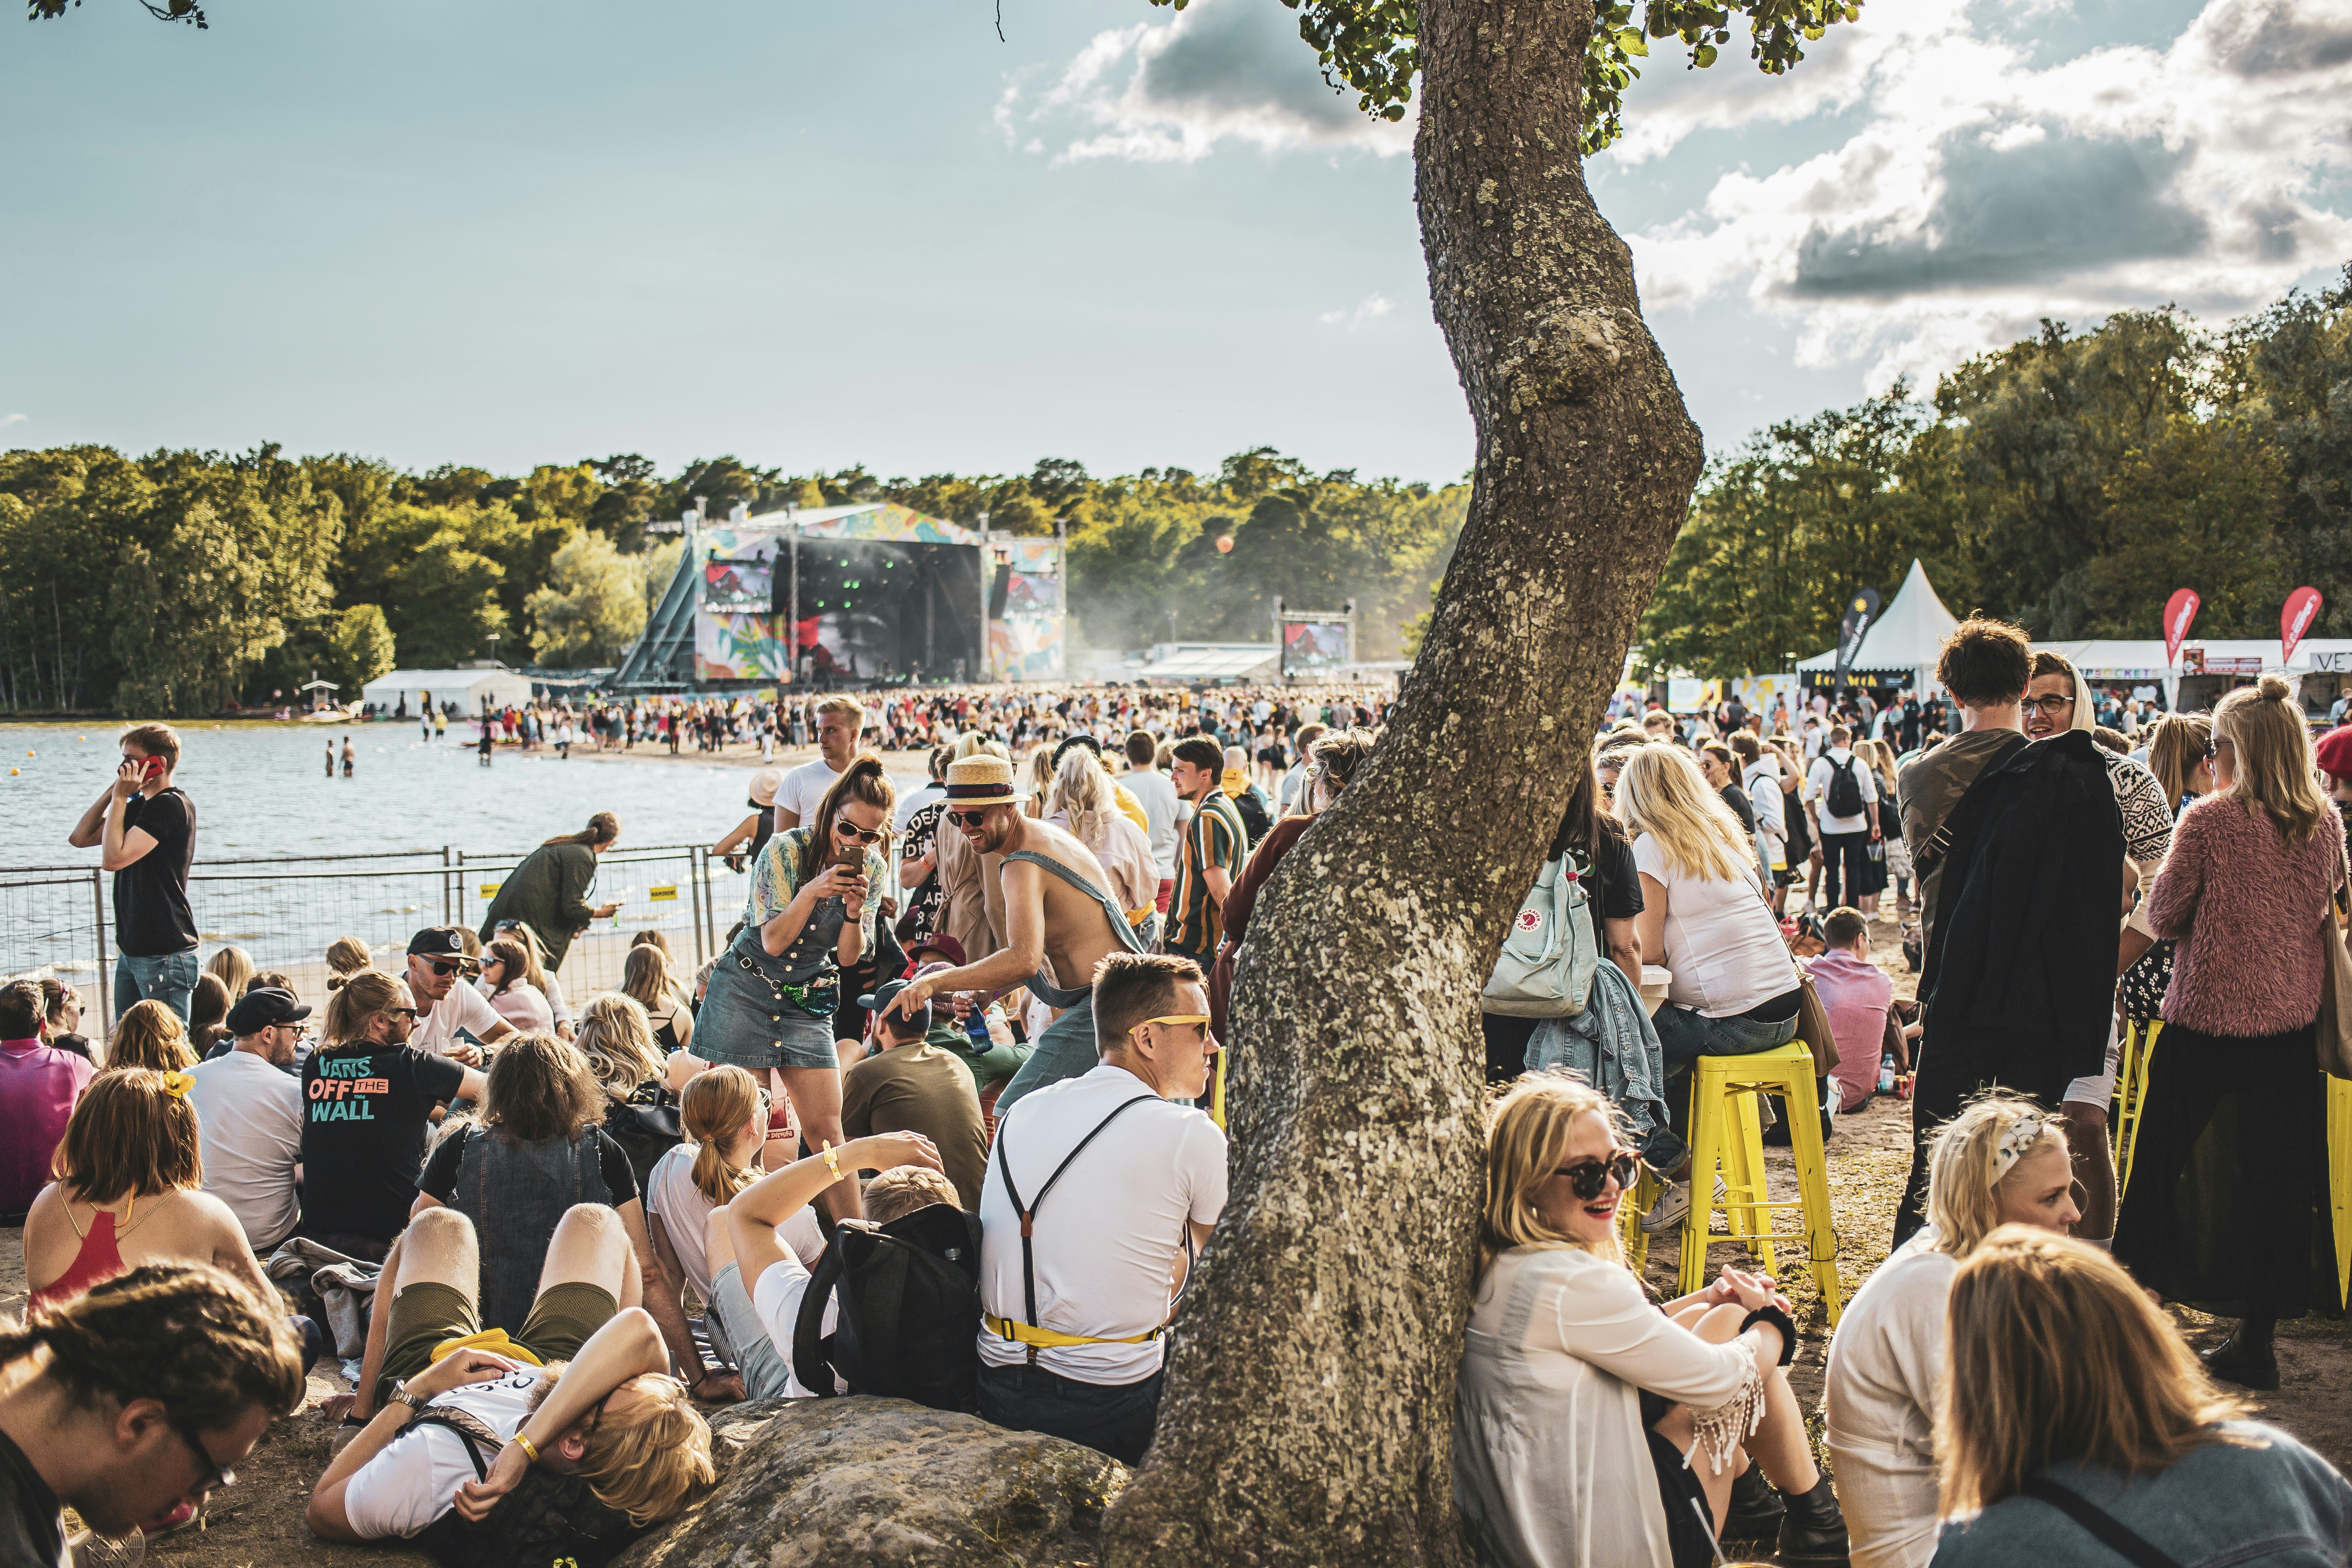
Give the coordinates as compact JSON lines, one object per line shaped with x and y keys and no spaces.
{"x":1060,"y":921}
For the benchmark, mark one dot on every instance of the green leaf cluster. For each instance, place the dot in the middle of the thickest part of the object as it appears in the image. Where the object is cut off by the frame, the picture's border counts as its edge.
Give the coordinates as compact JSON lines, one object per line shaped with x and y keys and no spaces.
{"x":2069,"y":482}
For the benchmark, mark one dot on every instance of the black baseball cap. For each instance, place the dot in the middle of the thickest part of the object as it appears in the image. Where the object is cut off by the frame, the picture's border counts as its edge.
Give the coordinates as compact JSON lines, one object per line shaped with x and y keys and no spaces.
{"x":439,"y":941}
{"x":262,"y":1006}
{"x":882,"y":995}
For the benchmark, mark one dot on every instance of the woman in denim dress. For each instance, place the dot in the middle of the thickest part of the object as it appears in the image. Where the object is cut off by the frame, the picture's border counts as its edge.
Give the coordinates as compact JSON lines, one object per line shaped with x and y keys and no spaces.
{"x":772,"y":996}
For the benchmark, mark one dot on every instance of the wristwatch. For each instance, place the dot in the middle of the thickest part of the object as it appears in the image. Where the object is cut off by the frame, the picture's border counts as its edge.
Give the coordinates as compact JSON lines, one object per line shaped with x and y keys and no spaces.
{"x":400,"y":1395}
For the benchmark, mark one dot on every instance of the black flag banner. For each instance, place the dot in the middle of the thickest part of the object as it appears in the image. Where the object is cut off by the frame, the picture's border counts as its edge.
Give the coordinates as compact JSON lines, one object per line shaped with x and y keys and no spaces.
{"x":1860,"y":614}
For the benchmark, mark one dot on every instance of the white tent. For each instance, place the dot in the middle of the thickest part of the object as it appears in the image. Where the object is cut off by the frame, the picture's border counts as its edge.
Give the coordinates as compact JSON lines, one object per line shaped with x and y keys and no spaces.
{"x":1906,"y":637}
{"x":466,"y":687}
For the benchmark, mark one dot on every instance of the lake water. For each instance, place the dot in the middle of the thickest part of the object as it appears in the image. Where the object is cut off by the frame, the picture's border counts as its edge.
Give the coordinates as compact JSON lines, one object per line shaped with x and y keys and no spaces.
{"x":262,"y":790}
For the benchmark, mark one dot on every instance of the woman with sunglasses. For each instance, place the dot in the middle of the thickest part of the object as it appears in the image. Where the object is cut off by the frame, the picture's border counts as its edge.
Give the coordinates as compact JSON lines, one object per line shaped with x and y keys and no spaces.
{"x":810,"y":915}
{"x":1591,"y":1428}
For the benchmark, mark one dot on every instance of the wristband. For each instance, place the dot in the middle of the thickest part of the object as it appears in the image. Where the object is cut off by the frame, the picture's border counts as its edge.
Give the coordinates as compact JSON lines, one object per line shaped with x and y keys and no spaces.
{"x":1778,"y":1319}
{"x":529,"y":1449}
{"x":832,"y":1161}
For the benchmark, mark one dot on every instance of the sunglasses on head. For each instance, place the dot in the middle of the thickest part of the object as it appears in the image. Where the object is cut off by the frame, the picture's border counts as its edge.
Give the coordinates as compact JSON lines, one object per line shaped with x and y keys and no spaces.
{"x":862,"y":835}
{"x":1587,"y":1177}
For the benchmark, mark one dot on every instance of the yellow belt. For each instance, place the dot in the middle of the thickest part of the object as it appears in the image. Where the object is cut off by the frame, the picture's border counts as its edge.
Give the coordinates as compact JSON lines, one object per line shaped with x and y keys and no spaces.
{"x":1136,"y":917}
{"x":1047,"y":1339}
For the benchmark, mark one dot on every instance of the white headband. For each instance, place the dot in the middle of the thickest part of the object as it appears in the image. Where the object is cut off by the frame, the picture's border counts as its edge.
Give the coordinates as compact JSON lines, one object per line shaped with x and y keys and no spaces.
{"x":2023,"y":1135}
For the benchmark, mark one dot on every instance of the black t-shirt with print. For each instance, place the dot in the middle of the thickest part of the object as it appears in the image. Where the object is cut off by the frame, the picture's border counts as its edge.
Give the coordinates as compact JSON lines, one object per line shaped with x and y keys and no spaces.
{"x":1619,"y":895}
{"x":439,"y":1181}
{"x":32,"y":1530}
{"x":152,"y":917}
{"x":365,"y":1118}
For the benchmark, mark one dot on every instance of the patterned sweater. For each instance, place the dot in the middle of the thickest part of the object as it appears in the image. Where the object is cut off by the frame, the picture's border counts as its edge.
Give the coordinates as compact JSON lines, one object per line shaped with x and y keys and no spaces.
{"x":2245,"y":906}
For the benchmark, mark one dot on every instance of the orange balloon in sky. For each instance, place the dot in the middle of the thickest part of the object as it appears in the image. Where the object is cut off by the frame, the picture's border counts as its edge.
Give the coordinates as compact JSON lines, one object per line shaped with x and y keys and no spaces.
{"x":1224,"y":544}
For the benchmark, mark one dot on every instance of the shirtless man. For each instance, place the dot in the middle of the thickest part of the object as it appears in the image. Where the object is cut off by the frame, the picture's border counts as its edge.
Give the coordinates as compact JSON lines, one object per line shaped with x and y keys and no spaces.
{"x":1059,"y":923}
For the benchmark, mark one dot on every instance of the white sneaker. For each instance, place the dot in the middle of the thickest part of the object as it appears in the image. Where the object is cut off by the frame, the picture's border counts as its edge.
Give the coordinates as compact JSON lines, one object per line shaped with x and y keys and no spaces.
{"x":1674,"y":1206}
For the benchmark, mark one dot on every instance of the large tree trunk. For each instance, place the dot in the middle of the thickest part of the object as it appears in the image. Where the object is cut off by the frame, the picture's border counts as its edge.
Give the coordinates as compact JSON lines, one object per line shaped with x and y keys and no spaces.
{"x":1308,"y":1416}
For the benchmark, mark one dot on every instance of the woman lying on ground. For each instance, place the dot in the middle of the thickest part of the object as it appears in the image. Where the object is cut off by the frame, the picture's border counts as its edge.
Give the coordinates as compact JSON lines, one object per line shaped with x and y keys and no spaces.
{"x":1571,"y":1379}
{"x":2002,"y":1160}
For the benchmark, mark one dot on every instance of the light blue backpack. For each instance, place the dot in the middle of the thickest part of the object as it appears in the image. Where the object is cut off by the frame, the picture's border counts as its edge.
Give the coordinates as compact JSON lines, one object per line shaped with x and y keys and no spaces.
{"x":1545,"y":970}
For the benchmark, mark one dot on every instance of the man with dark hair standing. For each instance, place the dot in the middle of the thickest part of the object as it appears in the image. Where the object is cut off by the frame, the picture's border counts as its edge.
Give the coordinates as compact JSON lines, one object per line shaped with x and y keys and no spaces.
{"x":1984,"y":665}
{"x":145,"y":828}
{"x":1215,"y":844}
{"x":1099,"y":1196}
{"x":1151,"y":789}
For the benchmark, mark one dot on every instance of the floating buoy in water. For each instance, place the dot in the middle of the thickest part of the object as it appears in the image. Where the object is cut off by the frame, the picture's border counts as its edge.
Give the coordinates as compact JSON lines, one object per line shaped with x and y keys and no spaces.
{"x":14,"y":772}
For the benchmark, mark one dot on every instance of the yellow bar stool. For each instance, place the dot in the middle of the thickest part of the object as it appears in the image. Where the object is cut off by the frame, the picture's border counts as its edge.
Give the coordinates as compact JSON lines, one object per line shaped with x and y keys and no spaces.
{"x":2131,"y":1094}
{"x":1629,"y":1210}
{"x":1726,"y":1139}
{"x":2340,"y":1180}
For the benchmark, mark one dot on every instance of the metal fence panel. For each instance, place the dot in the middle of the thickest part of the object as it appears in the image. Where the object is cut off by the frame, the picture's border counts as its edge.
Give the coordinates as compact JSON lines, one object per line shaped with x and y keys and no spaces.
{"x":58,"y":923}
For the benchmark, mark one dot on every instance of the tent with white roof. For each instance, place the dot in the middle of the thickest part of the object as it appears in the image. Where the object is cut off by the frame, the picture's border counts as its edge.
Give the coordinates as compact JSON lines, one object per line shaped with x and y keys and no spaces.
{"x":1904,"y":640}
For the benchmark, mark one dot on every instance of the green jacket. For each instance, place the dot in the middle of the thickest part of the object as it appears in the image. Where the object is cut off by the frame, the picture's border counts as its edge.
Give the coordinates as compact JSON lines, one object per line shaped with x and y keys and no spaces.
{"x":548,"y":892}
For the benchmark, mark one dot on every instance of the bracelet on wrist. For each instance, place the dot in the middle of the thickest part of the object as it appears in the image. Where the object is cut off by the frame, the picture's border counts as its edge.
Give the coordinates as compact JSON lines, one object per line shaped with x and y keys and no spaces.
{"x":832,"y":1161}
{"x":1778,"y":1319}
{"x":529,"y":1449}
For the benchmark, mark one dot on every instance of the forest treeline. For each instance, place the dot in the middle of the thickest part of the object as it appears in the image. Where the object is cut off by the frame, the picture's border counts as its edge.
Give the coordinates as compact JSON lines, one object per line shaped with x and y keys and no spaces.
{"x":2069,"y":482}
{"x":187,"y":582}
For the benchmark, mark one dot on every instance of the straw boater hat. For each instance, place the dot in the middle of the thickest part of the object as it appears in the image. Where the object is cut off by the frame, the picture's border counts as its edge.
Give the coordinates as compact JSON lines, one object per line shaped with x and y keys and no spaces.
{"x":981,"y":781}
{"x":765,"y":785}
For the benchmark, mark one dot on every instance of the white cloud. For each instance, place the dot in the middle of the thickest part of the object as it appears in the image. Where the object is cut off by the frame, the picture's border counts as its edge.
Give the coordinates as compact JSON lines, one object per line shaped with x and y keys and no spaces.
{"x":1370,"y":308}
{"x":8,"y":419}
{"x":1985,"y":192}
{"x":1217,"y":71}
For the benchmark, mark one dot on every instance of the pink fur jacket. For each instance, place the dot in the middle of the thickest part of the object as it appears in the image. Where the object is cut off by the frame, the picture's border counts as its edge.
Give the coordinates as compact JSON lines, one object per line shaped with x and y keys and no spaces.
{"x":2245,"y":906}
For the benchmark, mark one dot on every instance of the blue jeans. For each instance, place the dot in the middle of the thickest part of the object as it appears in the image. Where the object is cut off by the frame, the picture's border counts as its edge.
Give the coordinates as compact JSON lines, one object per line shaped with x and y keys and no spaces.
{"x":1685,"y":1035}
{"x":171,"y":979}
{"x":737,"y":1333}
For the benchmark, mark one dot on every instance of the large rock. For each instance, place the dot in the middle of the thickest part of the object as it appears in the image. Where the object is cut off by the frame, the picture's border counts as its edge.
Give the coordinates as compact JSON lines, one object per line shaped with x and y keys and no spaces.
{"x":851,"y":1482}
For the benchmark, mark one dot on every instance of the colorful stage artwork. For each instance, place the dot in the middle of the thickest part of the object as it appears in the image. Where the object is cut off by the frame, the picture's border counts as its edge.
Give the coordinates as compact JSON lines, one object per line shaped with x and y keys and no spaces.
{"x":1026,"y":647}
{"x":1313,"y":648}
{"x":735,"y":631}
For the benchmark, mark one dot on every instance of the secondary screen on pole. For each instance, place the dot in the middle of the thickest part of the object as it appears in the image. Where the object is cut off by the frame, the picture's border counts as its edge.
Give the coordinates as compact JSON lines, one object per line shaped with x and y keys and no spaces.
{"x":1312,"y":647}
{"x":871,"y":610}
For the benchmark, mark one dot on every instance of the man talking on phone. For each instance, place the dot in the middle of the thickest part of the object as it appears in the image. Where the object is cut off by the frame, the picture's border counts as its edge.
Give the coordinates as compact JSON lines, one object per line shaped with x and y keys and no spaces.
{"x":144,"y":828}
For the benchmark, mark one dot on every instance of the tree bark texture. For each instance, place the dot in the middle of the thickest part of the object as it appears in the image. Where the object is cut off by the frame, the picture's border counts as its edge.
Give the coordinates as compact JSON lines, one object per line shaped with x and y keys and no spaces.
{"x":1308,"y":1413}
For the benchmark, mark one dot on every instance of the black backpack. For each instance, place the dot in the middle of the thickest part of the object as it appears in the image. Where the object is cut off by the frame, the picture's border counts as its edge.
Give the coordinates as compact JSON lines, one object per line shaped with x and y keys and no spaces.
{"x":550,"y":1519}
{"x":1254,"y":817}
{"x":909,"y":1310}
{"x":646,"y":1126}
{"x":1845,"y":790}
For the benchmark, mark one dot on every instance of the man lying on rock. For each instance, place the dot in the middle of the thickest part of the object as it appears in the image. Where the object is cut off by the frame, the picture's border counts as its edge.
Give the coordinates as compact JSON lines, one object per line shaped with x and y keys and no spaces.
{"x":612,"y":1417}
{"x":757,"y":1280}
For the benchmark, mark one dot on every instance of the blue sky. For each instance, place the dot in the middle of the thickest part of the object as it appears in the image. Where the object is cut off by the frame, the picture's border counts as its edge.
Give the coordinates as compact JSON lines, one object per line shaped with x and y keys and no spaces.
{"x":515,"y":232}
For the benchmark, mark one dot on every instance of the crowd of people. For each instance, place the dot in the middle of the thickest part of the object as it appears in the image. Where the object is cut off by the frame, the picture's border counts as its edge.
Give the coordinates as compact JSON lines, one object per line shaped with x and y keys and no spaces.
{"x":969,"y":1039}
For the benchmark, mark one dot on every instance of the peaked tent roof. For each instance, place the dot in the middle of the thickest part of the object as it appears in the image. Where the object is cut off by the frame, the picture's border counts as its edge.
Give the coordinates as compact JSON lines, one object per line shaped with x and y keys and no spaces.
{"x":1910,"y":632}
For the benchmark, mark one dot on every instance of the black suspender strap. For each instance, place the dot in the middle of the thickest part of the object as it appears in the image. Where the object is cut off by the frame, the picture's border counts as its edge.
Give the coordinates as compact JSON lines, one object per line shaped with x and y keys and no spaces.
{"x":2098,"y":1521}
{"x":1028,"y":1212}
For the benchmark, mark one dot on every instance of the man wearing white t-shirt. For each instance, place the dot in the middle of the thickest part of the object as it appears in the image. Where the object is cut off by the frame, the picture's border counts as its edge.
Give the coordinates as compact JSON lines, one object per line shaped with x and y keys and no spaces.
{"x":838,"y":720}
{"x":454,"y":1021}
{"x":1841,"y":844}
{"x":1152,"y":790}
{"x":249,"y":1117}
{"x":615,"y":1397}
{"x":1118,"y":1188}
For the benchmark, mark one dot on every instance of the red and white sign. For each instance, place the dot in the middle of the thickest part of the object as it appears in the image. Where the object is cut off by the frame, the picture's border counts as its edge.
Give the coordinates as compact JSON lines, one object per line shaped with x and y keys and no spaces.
{"x":1529,"y":920}
{"x":2180,"y":611}
{"x":2295,"y":616}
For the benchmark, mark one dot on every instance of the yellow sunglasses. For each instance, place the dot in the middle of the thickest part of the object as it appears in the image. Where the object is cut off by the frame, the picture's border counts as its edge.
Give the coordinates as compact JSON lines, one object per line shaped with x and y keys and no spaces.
{"x":1178,"y":1018}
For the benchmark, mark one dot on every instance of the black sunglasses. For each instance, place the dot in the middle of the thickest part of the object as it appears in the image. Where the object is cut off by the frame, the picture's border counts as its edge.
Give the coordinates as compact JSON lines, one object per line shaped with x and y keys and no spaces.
{"x":1587,"y":1177}
{"x":968,"y":818}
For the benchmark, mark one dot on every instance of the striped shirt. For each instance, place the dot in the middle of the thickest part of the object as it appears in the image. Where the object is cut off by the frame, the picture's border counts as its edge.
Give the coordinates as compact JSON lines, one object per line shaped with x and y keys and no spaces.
{"x":1215,"y":836}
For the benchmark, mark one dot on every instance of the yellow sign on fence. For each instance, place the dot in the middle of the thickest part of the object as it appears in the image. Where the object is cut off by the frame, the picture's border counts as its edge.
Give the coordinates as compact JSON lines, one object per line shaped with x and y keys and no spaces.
{"x":663,"y":894}
{"x":490,"y":889}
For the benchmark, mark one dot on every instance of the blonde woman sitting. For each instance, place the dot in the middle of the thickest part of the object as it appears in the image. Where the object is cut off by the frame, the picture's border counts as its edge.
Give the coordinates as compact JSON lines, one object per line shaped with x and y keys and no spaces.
{"x":2001,"y":1161}
{"x":1593,"y":1429}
